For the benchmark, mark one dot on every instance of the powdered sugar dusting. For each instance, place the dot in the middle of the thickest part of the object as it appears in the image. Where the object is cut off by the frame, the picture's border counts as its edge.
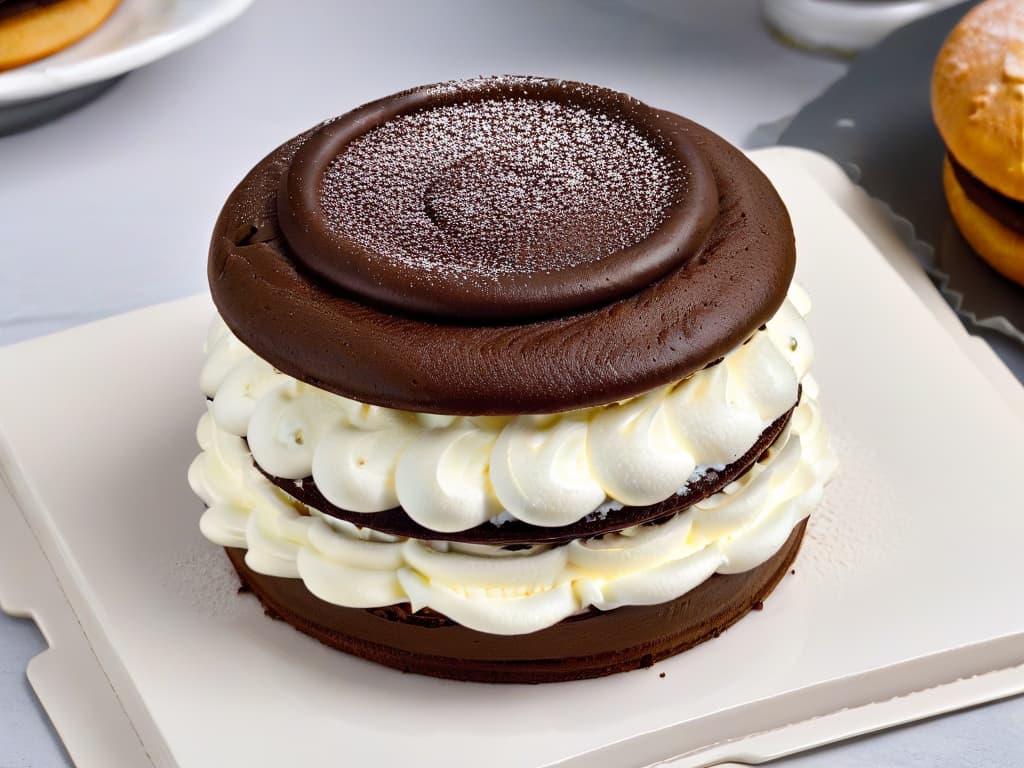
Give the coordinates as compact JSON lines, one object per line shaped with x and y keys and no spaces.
{"x":486,"y":188}
{"x":202,"y":578}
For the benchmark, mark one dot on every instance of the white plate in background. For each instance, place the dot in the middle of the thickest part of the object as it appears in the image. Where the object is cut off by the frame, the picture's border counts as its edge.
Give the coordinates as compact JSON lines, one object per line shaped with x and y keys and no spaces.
{"x":844,"y":26}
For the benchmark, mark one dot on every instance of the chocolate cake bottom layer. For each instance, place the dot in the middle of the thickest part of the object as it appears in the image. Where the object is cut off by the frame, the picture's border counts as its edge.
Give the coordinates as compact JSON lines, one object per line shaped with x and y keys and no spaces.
{"x":592,"y":644}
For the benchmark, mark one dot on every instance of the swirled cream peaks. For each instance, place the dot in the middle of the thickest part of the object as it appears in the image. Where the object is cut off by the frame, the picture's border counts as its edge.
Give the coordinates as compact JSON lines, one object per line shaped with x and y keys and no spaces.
{"x":453,"y":473}
{"x":450,"y":474}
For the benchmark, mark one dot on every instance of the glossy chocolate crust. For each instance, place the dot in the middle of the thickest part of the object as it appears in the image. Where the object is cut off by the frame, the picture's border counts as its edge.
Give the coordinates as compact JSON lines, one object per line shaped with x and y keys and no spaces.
{"x":665,"y":332}
{"x":327,"y":251}
{"x":1005,"y":210}
{"x":515,"y":532}
{"x":593,"y":644}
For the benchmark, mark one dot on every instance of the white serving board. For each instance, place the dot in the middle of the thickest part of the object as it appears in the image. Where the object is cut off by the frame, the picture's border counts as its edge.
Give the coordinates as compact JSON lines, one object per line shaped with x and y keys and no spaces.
{"x":908,"y":582}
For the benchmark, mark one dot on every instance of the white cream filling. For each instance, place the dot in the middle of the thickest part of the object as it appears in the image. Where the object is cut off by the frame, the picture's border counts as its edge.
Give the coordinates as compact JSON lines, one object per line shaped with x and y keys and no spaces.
{"x":454,"y":473}
{"x":512,"y":592}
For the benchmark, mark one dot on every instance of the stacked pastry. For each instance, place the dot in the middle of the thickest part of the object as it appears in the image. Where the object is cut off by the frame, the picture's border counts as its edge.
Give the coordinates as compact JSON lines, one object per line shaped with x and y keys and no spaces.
{"x":510,"y":383}
{"x":978,"y":104}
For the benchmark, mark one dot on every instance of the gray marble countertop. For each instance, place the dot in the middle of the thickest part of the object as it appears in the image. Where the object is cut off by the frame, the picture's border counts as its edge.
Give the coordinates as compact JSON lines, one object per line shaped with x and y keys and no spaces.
{"x":110,"y":208}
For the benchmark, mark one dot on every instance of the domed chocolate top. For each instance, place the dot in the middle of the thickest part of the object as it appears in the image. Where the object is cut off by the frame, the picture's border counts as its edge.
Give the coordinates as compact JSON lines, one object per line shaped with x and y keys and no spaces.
{"x":499,"y":199}
{"x":502,"y":245}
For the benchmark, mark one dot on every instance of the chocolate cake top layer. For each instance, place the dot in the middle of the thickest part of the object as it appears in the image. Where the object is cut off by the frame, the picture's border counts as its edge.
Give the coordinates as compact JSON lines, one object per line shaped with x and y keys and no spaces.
{"x":500,"y":199}
{"x":595,"y":249}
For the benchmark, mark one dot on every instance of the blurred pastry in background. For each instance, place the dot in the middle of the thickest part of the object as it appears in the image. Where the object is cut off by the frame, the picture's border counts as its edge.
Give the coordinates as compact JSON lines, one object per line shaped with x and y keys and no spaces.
{"x":33,"y":29}
{"x":978,"y":106}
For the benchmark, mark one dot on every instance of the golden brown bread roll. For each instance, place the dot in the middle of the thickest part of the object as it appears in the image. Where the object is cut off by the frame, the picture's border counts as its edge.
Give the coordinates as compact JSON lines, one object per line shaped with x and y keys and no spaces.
{"x":978,"y":106}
